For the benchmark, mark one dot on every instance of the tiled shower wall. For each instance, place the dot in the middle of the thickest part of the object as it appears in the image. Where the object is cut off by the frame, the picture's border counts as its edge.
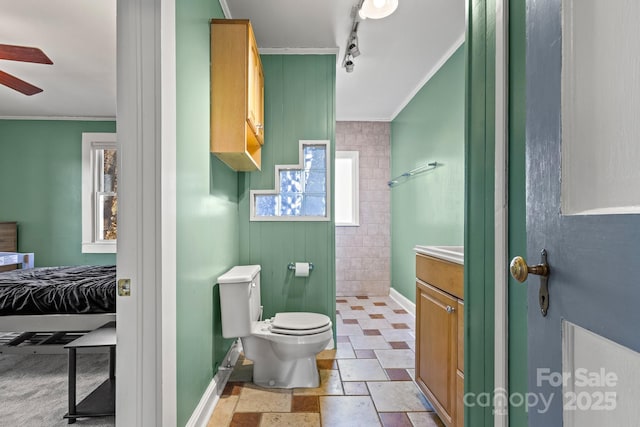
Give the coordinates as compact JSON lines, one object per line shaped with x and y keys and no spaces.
{"x":363,"y":254}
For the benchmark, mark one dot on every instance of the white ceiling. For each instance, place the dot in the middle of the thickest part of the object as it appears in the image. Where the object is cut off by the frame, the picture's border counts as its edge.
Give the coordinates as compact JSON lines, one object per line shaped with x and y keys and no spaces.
{"x":399,"y":53}
{"x":80,"y":38}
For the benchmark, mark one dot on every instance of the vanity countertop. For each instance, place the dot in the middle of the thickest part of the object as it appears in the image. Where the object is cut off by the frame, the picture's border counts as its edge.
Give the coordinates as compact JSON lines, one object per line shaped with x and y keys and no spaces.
{"x":447,"y":253}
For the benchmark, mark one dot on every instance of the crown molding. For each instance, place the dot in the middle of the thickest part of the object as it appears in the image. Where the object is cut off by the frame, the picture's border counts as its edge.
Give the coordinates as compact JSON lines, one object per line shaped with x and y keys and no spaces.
{"x":299,"y":50}
{"x":363,"y":119}
{"x":225,"y":8}
{"x":70,"y":118}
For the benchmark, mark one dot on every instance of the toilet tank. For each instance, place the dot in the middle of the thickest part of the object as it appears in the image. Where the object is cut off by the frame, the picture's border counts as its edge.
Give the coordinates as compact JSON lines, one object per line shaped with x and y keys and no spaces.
{"x":239,"y":300}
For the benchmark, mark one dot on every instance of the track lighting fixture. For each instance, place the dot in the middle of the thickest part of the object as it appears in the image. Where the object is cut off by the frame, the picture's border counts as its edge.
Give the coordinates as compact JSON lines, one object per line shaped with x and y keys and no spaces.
{"x":377,"y":9}
{"x":374,"y":9}
{"x":348,"y":64}
{"x":352,"y":48}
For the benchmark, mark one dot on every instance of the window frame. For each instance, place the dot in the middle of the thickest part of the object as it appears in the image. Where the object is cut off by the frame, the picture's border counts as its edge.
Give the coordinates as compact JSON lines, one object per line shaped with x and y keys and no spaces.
{"x":276,"y":190}
{"x":90,"y":142}
{"x":354,"y":156}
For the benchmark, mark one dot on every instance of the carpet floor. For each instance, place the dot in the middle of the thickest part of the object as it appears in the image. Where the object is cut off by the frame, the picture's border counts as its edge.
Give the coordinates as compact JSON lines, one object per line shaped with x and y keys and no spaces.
{"x":34,"y":389}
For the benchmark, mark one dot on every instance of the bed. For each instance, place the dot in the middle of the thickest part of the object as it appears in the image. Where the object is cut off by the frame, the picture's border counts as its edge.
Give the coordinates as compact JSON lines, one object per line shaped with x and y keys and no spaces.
{"x":41,"y":307}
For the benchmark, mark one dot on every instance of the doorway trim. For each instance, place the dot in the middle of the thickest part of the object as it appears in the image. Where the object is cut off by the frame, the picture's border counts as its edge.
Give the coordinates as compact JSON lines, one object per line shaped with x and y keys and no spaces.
{"x":146,"y":356}
{"x":168,"y":196}
{"x":501,"y":202}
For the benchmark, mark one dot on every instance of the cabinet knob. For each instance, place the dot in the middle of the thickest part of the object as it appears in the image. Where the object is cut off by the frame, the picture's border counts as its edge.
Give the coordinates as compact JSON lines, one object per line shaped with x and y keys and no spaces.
{"x":259,"y":126}
{"x":450,"y":309}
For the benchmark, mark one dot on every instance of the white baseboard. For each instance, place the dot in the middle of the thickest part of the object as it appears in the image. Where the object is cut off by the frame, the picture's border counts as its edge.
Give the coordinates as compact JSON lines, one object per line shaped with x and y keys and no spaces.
{"x":403,"y":301}
{"x":209,"y":400}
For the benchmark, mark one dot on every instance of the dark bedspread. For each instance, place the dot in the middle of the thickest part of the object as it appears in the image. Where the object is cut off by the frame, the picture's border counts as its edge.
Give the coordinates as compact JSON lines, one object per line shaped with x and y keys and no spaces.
{"x":58,"y":290}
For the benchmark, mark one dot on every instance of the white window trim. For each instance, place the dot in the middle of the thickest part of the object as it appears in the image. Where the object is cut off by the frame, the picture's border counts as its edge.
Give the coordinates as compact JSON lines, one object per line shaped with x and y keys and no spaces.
{"x":89,"y":242}
{"x":354,"y":156}
{"x":276,"y":189}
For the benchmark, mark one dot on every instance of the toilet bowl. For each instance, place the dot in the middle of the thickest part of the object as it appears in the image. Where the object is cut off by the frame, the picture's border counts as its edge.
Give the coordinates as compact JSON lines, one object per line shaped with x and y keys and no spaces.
{"x":283,"y":348}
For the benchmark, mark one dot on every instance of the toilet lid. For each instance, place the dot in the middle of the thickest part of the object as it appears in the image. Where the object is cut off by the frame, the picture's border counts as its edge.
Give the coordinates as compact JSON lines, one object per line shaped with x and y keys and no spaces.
{"x":295,"y":323}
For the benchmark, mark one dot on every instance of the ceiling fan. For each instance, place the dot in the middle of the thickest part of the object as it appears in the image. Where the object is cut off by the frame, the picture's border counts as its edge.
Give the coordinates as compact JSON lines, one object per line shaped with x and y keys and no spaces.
{"x":22,"y":54}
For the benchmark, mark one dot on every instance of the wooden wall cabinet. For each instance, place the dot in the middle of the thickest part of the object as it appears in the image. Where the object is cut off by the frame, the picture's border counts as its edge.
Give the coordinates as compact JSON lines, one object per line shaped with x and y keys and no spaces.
{"x":8,"y":241}
{"x":237,"y":95}
{"x":440,"y":337}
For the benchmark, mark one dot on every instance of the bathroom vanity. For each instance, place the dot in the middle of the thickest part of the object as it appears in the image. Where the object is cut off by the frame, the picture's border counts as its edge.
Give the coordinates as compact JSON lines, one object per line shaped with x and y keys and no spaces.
{"x":439,"y":329}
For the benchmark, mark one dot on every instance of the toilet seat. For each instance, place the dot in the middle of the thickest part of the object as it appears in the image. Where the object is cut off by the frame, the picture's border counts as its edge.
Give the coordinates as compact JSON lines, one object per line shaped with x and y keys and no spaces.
{"x":297,"y":323}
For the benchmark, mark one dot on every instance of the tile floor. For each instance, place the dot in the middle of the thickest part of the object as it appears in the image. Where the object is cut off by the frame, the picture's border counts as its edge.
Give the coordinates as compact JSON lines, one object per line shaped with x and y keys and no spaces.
{"x":366,"y":381}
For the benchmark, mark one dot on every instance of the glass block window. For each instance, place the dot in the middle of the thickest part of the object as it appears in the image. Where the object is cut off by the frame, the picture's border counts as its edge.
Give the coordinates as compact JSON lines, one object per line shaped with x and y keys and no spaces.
{"x":301,"y":191}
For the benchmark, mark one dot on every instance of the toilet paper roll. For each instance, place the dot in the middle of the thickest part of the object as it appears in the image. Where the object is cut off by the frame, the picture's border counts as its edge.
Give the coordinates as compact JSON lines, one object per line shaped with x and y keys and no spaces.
{"x":302,"y":269}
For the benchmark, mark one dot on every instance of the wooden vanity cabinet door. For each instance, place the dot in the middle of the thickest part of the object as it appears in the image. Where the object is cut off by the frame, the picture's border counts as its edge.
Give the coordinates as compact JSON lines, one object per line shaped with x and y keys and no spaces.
{"x":460,"y":314}
{"x":437,"y":348}
{"x":459,"y":399}
{"x":460,"y":370}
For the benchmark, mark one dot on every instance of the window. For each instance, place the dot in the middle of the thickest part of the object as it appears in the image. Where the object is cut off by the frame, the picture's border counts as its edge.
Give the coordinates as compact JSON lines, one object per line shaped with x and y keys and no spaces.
{"x":301,"y":192}
{"x":99,"y":192}
{"x":347,"y":188}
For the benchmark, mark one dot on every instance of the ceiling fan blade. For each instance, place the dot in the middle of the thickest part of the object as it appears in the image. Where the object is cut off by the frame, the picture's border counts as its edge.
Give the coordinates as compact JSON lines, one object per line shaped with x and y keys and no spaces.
{"x":18,"y":84}
{"x":23,"y":54}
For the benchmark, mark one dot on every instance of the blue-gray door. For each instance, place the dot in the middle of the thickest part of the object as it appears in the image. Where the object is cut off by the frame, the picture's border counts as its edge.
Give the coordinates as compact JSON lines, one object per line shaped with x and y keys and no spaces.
{"x":583,"y":103}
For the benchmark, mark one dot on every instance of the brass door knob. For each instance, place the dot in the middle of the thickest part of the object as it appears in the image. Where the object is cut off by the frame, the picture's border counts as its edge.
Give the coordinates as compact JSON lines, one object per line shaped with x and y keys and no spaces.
{"x":520,"y":270}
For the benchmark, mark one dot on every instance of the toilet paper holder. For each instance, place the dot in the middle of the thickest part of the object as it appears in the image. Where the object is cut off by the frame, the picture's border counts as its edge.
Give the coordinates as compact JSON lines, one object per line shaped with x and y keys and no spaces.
{"x":292,"y":266}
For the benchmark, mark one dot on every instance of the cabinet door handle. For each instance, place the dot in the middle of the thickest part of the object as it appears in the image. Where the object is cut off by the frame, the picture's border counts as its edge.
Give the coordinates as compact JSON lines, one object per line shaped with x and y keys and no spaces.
{"x":450,"y":309}
{"x":259,"y":126}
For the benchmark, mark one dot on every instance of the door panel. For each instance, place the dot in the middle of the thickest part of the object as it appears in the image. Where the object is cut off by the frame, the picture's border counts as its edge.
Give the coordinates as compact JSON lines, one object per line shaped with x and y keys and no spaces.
{"x":593,"y":258}
{"x":604,"y":391}
{"x":600,"y":102}
{"x":437,"y":353}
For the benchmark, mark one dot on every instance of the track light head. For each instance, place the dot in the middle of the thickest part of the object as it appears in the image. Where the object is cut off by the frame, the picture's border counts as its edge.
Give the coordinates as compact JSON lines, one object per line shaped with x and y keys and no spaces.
{"x":353,"y":50}
{"x":376,"y":9}
{"x":352,"y":47}
{"x":348,"y":65}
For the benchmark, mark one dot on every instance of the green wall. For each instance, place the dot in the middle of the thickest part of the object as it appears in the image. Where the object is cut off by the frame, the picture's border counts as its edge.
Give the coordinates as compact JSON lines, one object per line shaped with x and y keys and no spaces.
{"x":299,"y":104}
{"x":207,"y":212}
{"x":517,"y":207}
{"x":428,"y":209}
{"x":41,"y":187}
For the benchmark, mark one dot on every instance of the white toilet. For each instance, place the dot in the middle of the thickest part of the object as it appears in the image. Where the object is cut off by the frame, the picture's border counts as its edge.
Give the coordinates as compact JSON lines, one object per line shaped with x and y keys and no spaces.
{"x":284,"y":348}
